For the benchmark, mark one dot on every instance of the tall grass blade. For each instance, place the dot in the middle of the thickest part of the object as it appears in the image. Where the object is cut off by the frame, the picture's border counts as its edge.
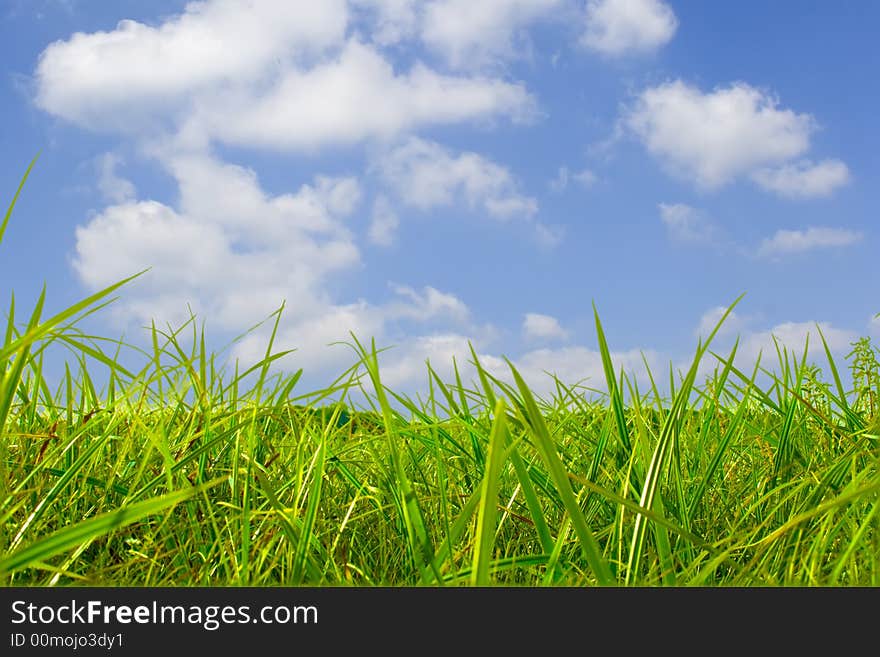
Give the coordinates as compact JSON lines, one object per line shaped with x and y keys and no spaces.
{"x":533,"y":418}
{"x":93,"y":528}
{"x":488,"y":511}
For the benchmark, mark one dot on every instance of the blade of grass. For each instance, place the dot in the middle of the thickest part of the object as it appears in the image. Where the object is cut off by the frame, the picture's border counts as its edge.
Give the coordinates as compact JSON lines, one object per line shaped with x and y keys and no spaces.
{"x":88,"y":530}
{"x":488,"y":508}
{"x":531,"y":415}
{"x":15,"y":197}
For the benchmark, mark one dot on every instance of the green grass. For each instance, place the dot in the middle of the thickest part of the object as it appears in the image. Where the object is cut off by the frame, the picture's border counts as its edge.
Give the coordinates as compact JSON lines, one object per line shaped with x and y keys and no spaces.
{"x":179,"y":472}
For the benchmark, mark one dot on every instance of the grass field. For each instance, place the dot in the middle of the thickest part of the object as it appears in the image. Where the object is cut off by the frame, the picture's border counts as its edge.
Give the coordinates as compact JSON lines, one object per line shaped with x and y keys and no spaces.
{"x":179,"y":472}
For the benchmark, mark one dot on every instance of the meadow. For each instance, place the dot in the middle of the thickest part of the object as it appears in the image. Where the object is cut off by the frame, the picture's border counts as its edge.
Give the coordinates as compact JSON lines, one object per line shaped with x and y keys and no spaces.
{"x":185,"y":471}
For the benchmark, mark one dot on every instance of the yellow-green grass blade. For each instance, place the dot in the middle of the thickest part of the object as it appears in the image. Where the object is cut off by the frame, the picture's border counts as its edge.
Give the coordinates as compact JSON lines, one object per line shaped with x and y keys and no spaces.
{"x":614,"y":394}
{"x":499,"y":565}
{"x":463,"y":402}
{"x":484,"y":379}
{"x":660,"y":458}
{"x":735,"y":426}
{"x":43,"y":329}
{"x":10,"y":323}
{"x":784,"y":446}
{"x":533,"y":418}
{"x":15,"y":197}
{"x":656,"y":517}
{"x":488,"y":509}
{"x":749,"y":381}
{"x":301,"y":553}
{"x":93,"y":528}
{"x":536,"y":511}
{"x":69,"y":475}
{"x":418,"y":542}
{"x":853,"y":420}
{"x":291,"y":527}
{"x":458,"y":528}
{"x":659,"y":463}
{"x":842,"y":500}
{"x":450,"y":400}
{"x":868,"y":524}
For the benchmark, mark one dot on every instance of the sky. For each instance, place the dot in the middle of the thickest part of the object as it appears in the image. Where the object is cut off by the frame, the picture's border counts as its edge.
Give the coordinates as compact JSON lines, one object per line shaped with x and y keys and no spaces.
{"x":438,"y":173}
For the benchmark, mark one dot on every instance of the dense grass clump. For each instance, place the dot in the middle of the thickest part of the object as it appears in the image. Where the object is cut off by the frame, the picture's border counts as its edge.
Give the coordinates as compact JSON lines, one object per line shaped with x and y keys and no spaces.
{"x":178,"y":472}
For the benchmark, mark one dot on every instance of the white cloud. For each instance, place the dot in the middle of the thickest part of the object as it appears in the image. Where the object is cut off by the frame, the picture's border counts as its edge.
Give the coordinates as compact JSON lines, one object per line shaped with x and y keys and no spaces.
{"x":713,"y":138}
{"x":262,"y":73}
{"x":786,"y":242}
{"x":233,"y":253}
{"x":426,"y":175}
{"x":405,"y":365}
{"x":582,"y":365}
{"x":732,"y":325}
{"x":354,"y":97}
{"x":383,"y":223}
{"x":316,"y":336}
{"x":109,"y":80}
{"x":874,"y":325}
{"x":430,"y":304}
{"x":586,"y":178}
{"x":686,"y":224}
{"x":474,"y":34}
{"x":506,"y":207}
{"x":538,"y":326}
{"x":112,"y":186}
{"x":230,"y":250}
{"x":401,"y":366}
{"x":549,"y":236}
{"x":393,"y":21}
{"x":619,"y":27}
{"x":804,"y":179}
{"x":793,"y":336}
{"x":294,"y":76}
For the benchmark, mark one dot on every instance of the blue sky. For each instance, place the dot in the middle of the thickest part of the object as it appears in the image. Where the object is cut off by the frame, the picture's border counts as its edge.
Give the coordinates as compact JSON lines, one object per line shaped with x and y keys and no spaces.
{"x":428,"y":173}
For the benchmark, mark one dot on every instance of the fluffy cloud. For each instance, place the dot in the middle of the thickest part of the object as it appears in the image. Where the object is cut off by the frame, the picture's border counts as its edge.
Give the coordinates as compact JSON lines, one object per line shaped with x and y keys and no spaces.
{"x":426,"y":175}
{"x":227,"y":240}
{"x":266,"y":74}
{"x":319,"y":338}
{"x":383,"y":223}
{"x":579,"y":364}
{"x":619,"y":27}
{"x":294,"y":76}
{"x":788,"y":337}
{"x":794,"y":336}
{"x":713,"y":138}
{"x":404,"y":366}
{"x":538,"y":326}
{"x":430,"y":304}
{"x":731,"y":326}
{"x":113,"y":187}
{"x":686,"y":224}
{"x":392,"y":20}
{"x":804,"y":179}
{"x":233,"y":253}
{"x":472,"y":34}
{"x":108,"y":79}
{"x":352,"y":98}
{"x":787,"y":242}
